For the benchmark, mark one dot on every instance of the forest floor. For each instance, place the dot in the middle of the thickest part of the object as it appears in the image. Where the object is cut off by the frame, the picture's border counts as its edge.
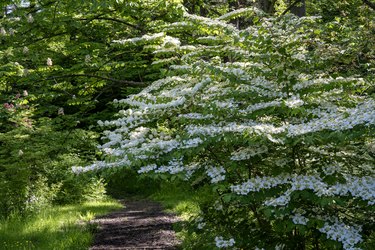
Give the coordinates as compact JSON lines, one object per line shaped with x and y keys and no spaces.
{"x":141,"y":224}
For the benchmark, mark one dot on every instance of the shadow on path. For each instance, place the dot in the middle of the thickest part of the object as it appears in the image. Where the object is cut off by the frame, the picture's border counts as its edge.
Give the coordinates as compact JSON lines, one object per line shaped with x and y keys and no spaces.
{"x":140,"y":225}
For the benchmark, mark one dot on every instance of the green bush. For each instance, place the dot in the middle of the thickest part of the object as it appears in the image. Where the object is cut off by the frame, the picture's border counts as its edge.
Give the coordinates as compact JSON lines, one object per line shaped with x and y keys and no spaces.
{"x":275,"y":122}
{"x":127,"y":182}
{"x":35,"y":167}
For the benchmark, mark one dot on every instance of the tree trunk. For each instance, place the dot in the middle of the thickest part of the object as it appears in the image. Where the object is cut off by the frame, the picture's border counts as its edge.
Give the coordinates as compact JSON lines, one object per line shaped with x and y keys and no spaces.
{"x":298,"y":9}
{"x":267,"y":6}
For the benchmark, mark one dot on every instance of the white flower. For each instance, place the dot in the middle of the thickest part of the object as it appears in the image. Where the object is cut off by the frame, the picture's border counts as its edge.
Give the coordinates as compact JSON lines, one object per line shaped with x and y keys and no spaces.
{"x":216,"y":174}
{"x":201,"y":225}
{"x":30,"y":18}
{"x":87,"y":58}
{"x":144,"y":38}
{"x":299,"y":219}
{"x":192,"y":143}
{"x":294,"y":102}
{"x":221,"y":243}
{"x":174,"y":166}
{"x":348,"y":235}
{"x":3,"y":31}
{"x":147,"y":168}
{"x":171,"y":42}
{"x":49,"y":61}
{"x":60,"y":111}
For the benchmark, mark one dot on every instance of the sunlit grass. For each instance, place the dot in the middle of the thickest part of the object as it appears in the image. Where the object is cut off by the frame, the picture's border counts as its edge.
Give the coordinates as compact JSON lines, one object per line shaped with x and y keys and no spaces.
{"x":179,"y":199}
{"x":183,"y":201}
{"x":58,"y":227}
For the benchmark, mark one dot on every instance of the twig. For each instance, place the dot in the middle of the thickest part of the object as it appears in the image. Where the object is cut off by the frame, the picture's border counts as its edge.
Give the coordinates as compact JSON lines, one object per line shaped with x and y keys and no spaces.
{"x":291,"y":6}
{"x":129,"y":83}
{"x":369,"y":4}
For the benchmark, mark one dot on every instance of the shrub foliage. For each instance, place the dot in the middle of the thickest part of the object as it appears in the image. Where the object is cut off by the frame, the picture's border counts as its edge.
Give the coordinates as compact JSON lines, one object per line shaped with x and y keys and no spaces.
{"x":278,"y":118}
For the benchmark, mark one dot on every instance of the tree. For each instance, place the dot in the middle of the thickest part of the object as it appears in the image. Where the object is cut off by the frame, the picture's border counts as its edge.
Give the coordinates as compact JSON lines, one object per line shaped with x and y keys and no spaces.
{"x":59,"y":69}
{"x":274,"y":118}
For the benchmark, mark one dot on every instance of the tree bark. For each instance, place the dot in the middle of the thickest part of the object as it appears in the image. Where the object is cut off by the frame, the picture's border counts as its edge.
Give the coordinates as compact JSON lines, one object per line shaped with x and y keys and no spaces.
{"x":267,"y":6}
{"x":299,"y":9}
{"x":369,"y":4}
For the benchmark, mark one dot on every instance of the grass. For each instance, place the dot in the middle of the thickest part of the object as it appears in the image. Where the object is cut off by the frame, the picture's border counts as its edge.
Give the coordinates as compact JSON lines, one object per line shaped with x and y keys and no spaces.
{"x":183,"y":201}
{"x":57,"y":227}
{"x":178,"y":199}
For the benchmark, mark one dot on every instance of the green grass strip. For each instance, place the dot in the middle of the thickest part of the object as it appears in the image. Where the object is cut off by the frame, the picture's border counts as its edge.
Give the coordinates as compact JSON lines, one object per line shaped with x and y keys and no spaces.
{"x":57,"y":227}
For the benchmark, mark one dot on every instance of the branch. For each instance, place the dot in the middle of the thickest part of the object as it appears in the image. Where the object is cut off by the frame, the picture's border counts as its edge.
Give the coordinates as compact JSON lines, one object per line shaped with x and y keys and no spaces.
{"x":39,"y":39}
{"x":129,"y":83}
{"x":291,"y":6}
{"x":369,"y":4}
{"x":113,"y":20}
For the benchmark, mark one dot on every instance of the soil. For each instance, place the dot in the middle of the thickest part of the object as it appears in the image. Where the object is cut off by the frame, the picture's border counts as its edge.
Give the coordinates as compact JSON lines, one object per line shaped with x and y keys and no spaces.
{"x":141,"y":224}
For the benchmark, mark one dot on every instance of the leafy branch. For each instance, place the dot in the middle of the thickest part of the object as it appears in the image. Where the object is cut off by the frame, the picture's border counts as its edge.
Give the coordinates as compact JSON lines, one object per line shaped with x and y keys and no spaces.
{"x":127,"y":82}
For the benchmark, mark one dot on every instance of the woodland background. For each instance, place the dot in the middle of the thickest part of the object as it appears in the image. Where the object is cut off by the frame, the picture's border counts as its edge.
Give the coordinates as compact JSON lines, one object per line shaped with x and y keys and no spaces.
{"x":63,"y":63}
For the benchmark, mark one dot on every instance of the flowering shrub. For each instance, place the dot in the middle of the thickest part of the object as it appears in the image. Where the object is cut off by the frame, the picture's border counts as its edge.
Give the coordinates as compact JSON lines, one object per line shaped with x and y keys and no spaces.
{"x":266,"y":116}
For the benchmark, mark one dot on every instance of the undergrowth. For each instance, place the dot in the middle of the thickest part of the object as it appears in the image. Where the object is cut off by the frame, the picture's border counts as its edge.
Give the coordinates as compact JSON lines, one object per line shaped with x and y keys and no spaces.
{"x":182,"y":200}
{"x":57,"y":227}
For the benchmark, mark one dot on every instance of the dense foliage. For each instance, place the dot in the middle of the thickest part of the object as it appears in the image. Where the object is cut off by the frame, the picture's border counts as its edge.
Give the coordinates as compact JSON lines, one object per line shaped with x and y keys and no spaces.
{"x":278,"y":118}
{"x":271,"y":115}
{"x":58,"y":70}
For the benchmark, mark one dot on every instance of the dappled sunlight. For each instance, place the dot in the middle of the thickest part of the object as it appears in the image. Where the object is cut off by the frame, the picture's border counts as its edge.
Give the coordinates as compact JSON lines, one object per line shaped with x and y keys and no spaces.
{"x":253,"y":121}
{"x":60,"y":227}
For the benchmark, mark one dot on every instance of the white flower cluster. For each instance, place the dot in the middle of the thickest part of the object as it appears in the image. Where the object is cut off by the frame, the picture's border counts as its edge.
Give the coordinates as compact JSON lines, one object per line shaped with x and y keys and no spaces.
{"x":192,"y":143}
{"x":218,"y":206}
{"x":212,"y":130}
{"x":25,"y":50}
{"x":358,"y":187}
{"x":174,"y":166}
{"x":208,"y":39}
{"x":171,"y":42}
{"x":258,"y":183}
{"x":211,"y":22}
{"x":148,"y":168}
{"x":221,"y":243}
{"x":240,"y":12}
{"x":348,"y":235}
{"x":200,"y":222}
{"x":196,"y":116}
{"x":331,"y":169}
{"x":247,"y":153}
{"x":178,"y":26}
{"x":294,"y":102}
{"x":180,"y":67}
{"x":363,"y":114}
{"x":179,"y":101}
{"x":325,"y":81}
{"x":217,"y":174}
{"x":30,"y":18}
{"x":98,"y":165}
{"x":178,"y":94}
{"x":259,"y":106}
{"x":3,"y":32}
{"x":237,"y":72}
{"x":299,"y":219}
{"x":165,"y":61}
{"x":144,"y":38}
{"x":49,"y":62}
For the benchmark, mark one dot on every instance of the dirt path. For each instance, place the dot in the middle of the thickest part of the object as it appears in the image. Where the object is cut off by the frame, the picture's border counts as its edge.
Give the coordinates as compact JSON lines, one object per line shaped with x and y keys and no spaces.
{"x":140,"y":225}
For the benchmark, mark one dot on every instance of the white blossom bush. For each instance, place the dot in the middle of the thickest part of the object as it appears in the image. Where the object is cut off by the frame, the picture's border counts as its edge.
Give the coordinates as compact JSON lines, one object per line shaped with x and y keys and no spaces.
{"x":266,"y":117}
